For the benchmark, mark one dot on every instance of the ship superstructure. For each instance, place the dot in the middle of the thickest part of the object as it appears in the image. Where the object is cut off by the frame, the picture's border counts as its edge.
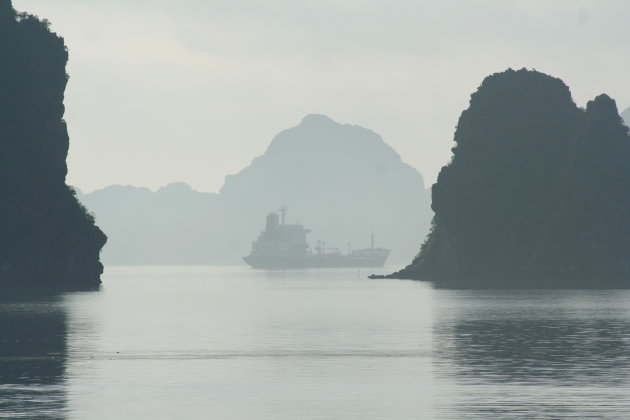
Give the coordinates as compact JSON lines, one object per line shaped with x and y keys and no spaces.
{"x":283,"y":245}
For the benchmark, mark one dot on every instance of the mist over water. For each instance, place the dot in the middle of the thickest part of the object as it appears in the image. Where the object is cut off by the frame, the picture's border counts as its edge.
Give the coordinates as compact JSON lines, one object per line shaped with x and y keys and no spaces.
{"x":232,"y":343}
{"x":343,"y":182}
{"x":535,"y":194}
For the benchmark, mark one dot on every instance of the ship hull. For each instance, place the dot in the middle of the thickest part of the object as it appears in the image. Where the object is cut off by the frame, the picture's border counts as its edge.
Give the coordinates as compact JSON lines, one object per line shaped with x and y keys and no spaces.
{"x":377,"y":259}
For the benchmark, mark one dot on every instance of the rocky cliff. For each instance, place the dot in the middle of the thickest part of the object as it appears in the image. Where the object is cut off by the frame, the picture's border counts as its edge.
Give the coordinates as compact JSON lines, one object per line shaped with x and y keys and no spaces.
{"x":537,"y":190}
{"x":46,"y":237}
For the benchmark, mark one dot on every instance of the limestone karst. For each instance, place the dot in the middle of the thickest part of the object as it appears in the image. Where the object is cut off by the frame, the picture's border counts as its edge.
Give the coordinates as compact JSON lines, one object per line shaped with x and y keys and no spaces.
{"x":46,"y":237}
{"x":537,"y":190}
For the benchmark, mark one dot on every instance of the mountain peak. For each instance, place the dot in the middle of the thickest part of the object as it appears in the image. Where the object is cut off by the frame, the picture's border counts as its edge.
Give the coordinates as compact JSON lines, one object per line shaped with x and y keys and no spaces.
{"x":176,"y":187}
{"x":317,"y":119}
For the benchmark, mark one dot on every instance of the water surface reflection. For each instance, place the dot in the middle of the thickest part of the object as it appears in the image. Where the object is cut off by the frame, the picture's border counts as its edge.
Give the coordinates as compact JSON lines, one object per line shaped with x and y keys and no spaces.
{"x":198,"y":342}
{"x":533,"y":354}
{"x":33,"y":355}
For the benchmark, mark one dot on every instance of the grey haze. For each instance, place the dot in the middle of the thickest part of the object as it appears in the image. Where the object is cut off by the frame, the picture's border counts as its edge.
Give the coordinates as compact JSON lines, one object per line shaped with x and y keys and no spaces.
{"x":191,"y":90}
{"x":341,"y":181}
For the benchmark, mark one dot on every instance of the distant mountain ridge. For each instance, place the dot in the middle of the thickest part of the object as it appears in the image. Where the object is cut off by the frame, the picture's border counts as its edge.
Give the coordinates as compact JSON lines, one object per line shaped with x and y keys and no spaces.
{"x":342,"y":181}
{"x":168,"y":226}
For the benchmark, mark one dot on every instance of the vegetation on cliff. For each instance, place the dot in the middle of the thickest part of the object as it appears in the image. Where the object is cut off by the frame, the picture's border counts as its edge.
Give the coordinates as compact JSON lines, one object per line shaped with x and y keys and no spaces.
{"x":537,"y":189}
{"x":46,"y":237}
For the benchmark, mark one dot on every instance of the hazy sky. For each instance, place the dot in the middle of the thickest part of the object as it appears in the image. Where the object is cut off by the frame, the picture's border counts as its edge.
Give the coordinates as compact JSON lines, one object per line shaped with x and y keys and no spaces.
{"x":193,"y":90}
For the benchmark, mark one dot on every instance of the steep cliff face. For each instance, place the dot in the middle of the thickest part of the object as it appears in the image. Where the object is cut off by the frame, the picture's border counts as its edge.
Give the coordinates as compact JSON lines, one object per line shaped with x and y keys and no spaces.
{"x":46,"y":236}
{"x":537,"y":189}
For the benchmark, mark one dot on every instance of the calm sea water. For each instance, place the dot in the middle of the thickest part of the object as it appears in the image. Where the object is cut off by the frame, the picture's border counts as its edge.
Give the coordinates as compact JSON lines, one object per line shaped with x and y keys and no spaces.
{"x":234,"y":343}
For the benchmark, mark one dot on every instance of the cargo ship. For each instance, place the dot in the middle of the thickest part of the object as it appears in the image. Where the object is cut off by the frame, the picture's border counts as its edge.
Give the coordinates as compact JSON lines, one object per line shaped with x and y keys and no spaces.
{"x":284,"y":246}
